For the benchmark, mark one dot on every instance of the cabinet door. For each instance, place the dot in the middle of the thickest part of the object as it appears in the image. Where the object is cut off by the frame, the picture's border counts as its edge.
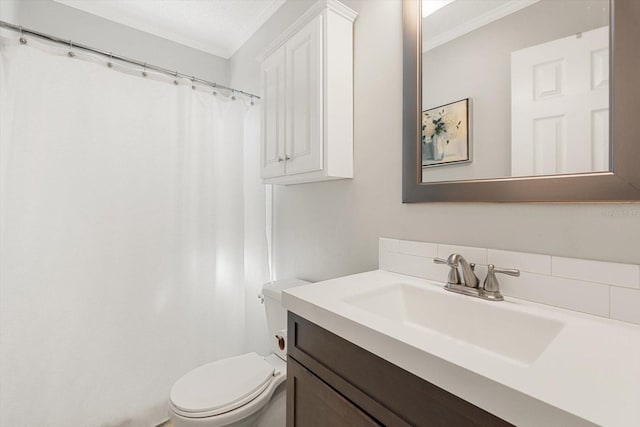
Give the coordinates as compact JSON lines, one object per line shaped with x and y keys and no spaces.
{"x":304,"y":99}
{"x":273,"y":115}
{"x":312,"y":403}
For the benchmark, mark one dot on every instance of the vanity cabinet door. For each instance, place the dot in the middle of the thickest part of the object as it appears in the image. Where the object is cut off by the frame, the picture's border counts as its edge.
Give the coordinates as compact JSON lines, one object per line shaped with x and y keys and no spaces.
{"x":312,"y":403}
{"x":390,"y":395}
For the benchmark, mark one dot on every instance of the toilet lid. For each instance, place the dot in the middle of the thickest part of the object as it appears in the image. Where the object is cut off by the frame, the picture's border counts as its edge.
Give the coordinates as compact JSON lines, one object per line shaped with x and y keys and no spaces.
{"x":222,"y":386}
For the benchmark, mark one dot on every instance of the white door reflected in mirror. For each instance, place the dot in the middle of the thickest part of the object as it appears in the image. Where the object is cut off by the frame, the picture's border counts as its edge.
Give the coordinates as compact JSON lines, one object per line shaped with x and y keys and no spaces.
{"x":536,"y":77}
{"x":558,"y":88}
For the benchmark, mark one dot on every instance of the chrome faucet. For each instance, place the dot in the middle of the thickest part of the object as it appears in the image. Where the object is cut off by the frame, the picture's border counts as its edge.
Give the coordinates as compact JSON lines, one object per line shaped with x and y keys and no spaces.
{"x":469,"y":278}
{"x":469,"y":285}
{"x":468,"y":270}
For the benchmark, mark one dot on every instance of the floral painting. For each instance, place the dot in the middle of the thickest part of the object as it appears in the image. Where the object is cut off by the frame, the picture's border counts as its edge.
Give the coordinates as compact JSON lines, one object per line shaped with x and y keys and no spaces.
{"x":445,"y":134}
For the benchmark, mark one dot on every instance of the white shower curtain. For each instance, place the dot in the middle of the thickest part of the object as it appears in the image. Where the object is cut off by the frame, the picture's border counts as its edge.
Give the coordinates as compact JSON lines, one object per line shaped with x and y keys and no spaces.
{"x":121,"y":237}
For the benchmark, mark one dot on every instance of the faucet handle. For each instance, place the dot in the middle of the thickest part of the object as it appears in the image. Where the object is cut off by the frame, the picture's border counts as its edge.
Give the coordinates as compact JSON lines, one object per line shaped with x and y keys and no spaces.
{"x":454,"y":277}
{"x":508,"y":271}
{"x":491,"y":282}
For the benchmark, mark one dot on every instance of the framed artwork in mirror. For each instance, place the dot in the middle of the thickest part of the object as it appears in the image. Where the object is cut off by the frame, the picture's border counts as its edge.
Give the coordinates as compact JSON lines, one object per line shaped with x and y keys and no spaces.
{"x":446,"y":137}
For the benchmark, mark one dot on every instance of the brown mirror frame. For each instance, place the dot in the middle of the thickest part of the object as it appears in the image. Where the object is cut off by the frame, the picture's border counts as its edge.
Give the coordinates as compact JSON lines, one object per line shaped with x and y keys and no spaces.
{"x":621,"y":184}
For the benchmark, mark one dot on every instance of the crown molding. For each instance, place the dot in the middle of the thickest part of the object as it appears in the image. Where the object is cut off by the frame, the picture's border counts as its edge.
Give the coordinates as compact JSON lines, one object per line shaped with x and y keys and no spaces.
{"x":315,"y":10}
{"x":479,"y":21}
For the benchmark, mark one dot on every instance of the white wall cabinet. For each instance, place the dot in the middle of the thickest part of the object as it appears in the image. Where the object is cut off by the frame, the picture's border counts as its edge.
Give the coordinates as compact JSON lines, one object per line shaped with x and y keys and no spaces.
{"x":307,"y":105}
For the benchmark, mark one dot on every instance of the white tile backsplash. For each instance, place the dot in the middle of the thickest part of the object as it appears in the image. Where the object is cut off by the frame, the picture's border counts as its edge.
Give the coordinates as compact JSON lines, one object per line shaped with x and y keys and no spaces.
{"x":610,"y":273}
{"x":625,"y":304}
{"x":471,"y":254}
{"x":389,"y":245}
{"x":412,"y":265}
{"x":594,"y":287}
{"x":532,"y":263}
{"x":423,"y":249}
{"x":386,"y":250}
{"x":591,"y":298}
{"x":407,"y":264}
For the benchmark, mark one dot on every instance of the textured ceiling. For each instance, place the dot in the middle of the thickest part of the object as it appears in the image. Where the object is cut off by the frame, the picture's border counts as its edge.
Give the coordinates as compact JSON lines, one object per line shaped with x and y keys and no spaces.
{"x":218,"y":27}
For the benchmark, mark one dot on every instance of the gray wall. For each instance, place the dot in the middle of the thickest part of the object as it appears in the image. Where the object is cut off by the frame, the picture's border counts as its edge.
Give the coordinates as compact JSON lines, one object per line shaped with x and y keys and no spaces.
{"x":478,"y":66}
{"x":63,"y":21}
{"x":328,"y":229}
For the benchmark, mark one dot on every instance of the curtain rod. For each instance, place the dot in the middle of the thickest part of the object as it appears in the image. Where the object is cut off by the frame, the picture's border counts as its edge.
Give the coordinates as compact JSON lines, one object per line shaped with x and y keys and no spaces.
{"x":23,"y":31}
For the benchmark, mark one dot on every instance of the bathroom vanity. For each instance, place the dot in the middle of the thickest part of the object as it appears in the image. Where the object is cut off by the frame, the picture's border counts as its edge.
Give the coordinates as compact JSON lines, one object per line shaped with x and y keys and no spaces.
{"x":330,"y":382}
{"x":381,"y":348}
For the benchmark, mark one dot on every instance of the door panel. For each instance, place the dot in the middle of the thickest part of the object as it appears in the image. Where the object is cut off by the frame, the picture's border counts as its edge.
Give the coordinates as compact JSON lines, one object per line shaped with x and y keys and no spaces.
{"x":312,"y":403}
{"x":560,"y":106}
{"x":273,"y":115}
{"x":304,"y":99}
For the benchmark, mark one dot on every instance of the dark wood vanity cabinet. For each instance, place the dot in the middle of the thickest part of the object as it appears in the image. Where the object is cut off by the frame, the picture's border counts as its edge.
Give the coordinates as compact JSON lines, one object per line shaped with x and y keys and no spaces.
{"x":332,"y":382}
{"x":318,"y":405}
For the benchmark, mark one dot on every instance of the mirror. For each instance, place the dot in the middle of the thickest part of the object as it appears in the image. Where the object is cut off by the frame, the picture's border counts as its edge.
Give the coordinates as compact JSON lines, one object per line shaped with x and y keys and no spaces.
{"x":512,"y":100}
{"x":535,"y":75}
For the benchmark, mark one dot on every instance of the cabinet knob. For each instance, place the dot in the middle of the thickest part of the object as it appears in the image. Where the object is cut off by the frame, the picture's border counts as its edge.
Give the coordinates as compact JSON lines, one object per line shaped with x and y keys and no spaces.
{"x":286,"y":157}
{"x":280,"y":160}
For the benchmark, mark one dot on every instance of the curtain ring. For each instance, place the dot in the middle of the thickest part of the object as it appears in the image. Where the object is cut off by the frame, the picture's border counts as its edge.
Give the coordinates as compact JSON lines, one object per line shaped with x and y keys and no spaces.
{"x":110,"y":63}
{"x":144,"y":71}
{"x":175,"y":81}
{"x":70,"y":53}
{"x":23,"y":40}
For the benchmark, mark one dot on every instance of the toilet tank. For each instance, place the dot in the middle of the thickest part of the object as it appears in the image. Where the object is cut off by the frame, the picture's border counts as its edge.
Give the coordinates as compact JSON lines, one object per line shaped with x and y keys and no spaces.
{"x":276,"y":314}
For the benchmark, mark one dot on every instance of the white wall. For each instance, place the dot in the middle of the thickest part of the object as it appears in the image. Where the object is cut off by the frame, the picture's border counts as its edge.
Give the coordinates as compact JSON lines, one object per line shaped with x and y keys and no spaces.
{"x":330,"y":229}
{"x":63,"y":21}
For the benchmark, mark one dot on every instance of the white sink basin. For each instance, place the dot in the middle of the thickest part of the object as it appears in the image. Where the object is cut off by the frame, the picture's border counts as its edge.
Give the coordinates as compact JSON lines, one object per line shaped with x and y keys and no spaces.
{"x":492,"y":326}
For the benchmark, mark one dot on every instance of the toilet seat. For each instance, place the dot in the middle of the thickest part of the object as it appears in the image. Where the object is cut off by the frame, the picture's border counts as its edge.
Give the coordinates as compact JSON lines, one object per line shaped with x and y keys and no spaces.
{"x":222,"y":386}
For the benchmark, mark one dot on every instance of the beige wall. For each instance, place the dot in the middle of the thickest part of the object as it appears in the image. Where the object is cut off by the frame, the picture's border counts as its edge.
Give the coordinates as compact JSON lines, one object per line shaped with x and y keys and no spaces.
{"x":329,"y":229}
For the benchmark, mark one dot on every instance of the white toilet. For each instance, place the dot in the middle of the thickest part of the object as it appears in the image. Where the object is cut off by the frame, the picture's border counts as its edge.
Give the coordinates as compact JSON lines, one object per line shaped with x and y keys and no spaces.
{"x":235,"y":391}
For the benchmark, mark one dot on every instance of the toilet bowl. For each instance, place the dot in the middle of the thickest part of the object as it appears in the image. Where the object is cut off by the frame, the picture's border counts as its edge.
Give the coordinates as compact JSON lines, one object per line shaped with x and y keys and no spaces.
{"x":234,"y":392}
{"x":230,"y":392}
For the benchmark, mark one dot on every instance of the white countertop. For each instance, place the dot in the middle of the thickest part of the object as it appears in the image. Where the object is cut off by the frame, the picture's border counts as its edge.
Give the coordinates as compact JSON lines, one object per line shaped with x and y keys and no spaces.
{"x":591,"y":369}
